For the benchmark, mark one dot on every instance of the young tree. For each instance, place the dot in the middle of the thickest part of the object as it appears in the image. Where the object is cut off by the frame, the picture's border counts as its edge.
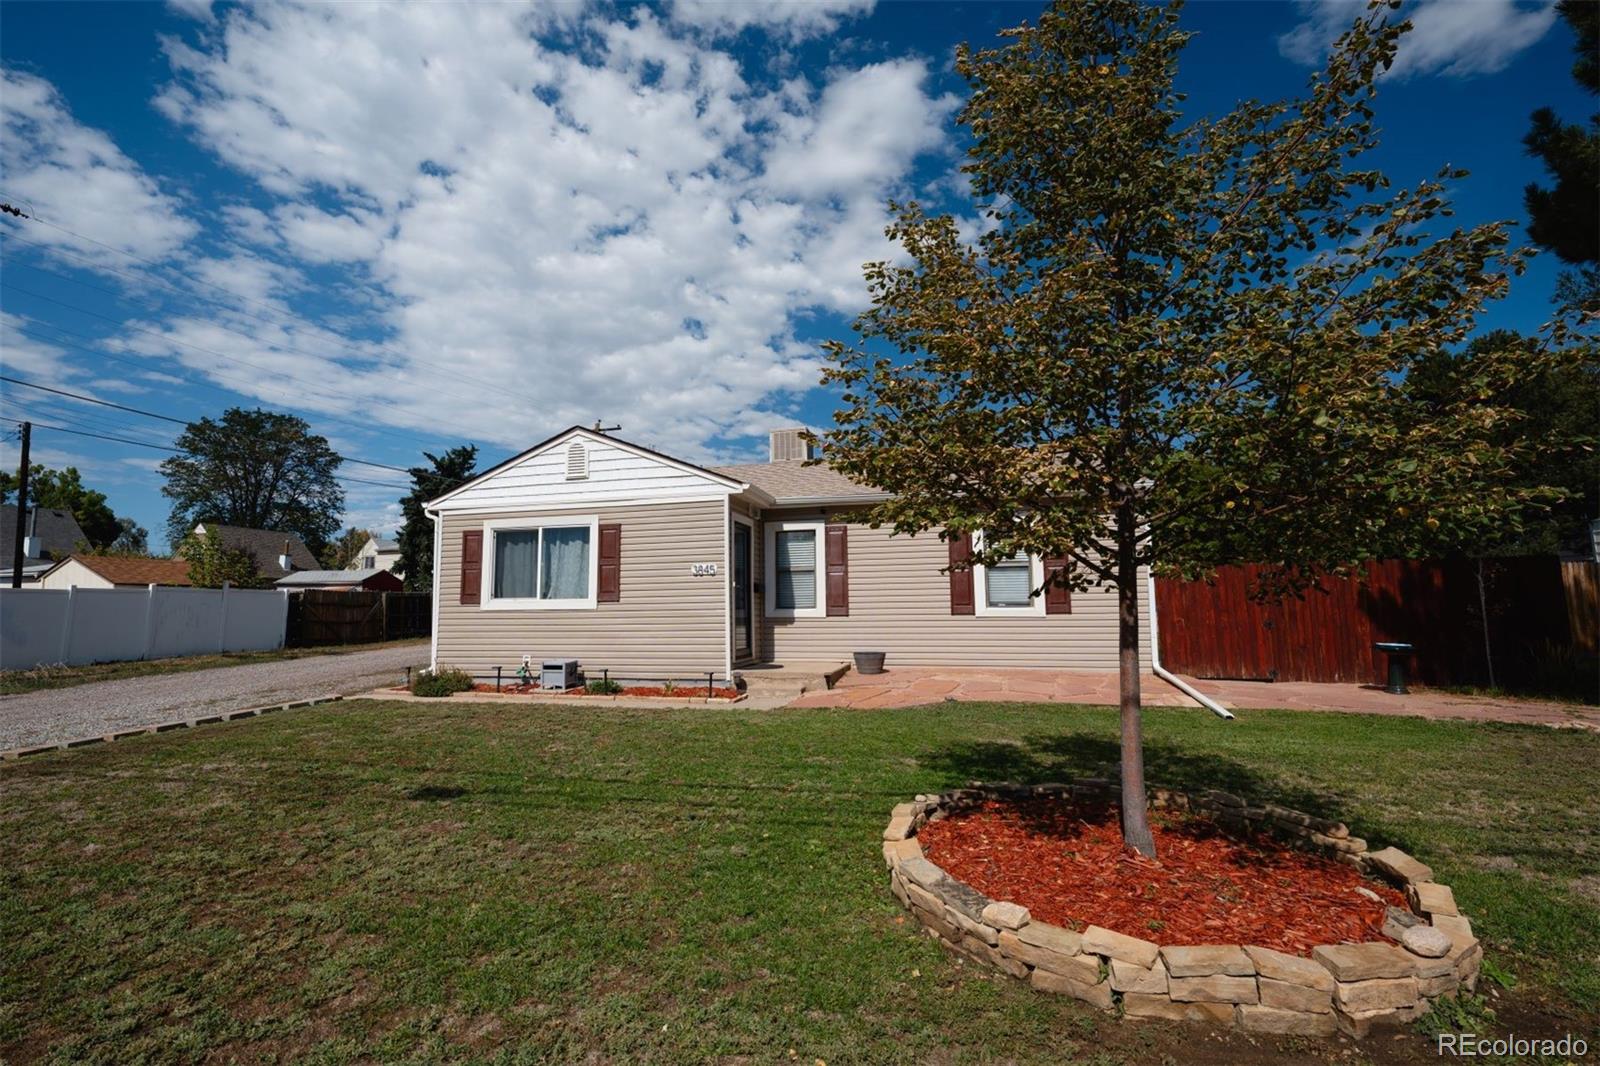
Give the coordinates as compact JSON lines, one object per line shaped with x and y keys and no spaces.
{"x":211,"y":563}
{"x":258,"y":469}
{"x":343,"y":549}
{"x":1178,"y":342}
{"x":132,"y":539}
{"x":443,"y":473}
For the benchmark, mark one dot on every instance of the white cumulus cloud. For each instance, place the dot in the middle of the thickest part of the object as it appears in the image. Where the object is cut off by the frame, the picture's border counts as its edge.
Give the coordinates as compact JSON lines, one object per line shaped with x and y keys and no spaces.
{"x":1458,"y":38}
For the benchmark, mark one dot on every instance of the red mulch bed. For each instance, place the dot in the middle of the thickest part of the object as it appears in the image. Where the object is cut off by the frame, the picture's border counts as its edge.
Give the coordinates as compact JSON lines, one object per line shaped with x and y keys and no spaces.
{"x":1064,"y":860}
{"x":682,"y":691}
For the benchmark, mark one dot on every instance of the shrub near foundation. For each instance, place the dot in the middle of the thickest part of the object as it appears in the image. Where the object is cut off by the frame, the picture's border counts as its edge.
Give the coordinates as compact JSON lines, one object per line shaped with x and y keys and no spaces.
{"x":440,"y":683}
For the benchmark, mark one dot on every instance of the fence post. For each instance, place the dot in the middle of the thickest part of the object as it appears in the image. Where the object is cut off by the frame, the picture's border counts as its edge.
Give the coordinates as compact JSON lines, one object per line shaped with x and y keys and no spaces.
{"x":149,"y":618}
{"x":222,"y":623}
{"x":66,"y":625}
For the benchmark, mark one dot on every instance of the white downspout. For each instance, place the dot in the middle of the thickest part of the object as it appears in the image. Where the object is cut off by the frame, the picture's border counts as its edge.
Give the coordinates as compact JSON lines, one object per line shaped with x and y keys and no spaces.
{"x":1168,"y":676}
{"x":433,"y":584}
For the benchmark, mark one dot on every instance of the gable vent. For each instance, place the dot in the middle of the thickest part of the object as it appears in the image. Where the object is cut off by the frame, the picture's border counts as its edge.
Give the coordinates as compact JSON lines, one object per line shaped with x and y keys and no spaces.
{"x":577,"y":461}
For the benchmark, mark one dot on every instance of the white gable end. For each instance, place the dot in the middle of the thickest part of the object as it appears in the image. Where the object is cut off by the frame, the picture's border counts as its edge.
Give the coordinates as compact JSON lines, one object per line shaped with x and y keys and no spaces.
{"x":609,"y":474}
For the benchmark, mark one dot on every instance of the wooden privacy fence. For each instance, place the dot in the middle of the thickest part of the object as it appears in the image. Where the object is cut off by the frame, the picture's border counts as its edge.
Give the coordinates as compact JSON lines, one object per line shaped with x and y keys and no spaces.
{"x":357,"y":616}
{"x":1536,"y":609}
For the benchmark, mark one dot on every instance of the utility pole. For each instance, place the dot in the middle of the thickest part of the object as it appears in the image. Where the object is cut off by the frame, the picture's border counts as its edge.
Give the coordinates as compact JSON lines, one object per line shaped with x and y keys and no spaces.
{"x":22,"y":509}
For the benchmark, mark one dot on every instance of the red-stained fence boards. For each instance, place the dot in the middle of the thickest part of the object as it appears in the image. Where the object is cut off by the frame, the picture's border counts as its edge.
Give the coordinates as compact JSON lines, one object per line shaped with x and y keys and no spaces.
{"x":1216,"y":630}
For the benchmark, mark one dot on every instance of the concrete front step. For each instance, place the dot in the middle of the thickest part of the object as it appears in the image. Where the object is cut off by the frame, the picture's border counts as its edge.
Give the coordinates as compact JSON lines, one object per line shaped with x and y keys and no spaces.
{"x":789,"y":679}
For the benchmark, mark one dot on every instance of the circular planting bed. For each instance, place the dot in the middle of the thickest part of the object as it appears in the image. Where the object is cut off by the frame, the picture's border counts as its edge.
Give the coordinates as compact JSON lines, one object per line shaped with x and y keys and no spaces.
{"x":1259,"y":917}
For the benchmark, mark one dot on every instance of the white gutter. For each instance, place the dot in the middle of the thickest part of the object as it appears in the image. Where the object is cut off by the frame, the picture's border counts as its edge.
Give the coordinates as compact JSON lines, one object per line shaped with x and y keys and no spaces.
{"x":1168,"y":676}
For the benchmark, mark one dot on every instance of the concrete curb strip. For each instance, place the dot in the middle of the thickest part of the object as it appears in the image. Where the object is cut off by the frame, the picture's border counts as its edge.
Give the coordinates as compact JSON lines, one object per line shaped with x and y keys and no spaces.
{"x":1347,"y":988}
{"x":163,"y":727}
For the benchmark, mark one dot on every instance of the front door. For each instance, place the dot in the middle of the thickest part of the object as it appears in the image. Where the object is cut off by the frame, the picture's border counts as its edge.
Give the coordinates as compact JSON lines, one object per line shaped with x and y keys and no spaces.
{"x":743,"y":647}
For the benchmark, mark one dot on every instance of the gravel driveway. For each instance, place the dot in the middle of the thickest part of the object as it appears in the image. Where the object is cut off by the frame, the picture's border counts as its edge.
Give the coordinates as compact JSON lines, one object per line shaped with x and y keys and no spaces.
{"x":54,"y":715}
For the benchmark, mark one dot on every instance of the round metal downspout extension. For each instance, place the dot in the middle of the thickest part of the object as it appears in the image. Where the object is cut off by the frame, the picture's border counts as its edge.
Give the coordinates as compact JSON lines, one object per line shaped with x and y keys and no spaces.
{"x":1166,"y":675}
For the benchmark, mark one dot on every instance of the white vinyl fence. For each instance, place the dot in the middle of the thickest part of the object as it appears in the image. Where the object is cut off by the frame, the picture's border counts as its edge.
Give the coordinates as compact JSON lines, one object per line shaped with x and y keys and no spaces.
{"x":81,"y":625}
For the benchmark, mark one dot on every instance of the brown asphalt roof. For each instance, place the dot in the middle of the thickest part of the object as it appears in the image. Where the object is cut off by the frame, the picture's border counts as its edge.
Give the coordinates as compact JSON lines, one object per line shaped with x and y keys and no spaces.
{"x":127,"y":570}
{"x":266,"y":545}
{"x":794,"y":480}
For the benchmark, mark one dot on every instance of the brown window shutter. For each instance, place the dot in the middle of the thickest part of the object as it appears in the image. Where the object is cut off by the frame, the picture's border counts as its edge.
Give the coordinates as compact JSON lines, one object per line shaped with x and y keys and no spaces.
{"x":961,"y":601}
{"x":610,"y":590}
{"x":1057,"y":598}
{"x":471,"y":566}
{"x":837,"y":558}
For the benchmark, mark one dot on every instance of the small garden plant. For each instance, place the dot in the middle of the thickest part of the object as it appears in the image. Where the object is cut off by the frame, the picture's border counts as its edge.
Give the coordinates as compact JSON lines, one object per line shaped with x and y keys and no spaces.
{"x":603,"y":686}
{"x":440,"y":682}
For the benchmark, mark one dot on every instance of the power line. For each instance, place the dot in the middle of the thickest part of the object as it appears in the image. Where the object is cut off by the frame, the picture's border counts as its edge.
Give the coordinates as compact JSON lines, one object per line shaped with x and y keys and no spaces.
{"x":167,"y":339}
{"x":145,"y":366}
{"x":177,"y":451}
{"x":167,"y":418}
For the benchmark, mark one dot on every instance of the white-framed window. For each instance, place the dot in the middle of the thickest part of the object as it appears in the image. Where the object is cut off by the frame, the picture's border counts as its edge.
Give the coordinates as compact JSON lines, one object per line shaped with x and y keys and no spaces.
{"x":542,"y":564}
{"x":1008,"y":587}
{"x":794,"y":570}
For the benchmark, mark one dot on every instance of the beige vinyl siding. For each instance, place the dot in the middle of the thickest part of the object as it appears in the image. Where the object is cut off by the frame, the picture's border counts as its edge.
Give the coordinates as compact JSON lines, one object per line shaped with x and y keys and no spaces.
{"x":668,"y":623}
{"x":900,"y":604}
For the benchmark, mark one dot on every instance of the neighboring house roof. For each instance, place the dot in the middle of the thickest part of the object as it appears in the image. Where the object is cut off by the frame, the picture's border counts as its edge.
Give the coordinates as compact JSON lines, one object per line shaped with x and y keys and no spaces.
{"x":57,"y":531}
{"x":384,"y":545}
{"x":792,"y":481}
{"x":130,"y":570}
{"x":310,"y":578}
{"x":266,"y":545}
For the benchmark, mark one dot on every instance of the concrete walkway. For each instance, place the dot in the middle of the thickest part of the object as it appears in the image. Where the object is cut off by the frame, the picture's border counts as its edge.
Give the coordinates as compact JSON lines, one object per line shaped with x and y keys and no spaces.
{"x":909,"y":686}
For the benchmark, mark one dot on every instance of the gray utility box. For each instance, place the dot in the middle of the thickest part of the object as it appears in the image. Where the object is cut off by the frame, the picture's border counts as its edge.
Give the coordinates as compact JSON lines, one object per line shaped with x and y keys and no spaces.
{"x":558,"y":673}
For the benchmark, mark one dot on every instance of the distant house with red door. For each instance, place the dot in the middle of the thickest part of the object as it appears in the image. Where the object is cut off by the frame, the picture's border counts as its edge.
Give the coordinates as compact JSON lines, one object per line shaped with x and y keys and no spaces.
{"x":588,"y":547}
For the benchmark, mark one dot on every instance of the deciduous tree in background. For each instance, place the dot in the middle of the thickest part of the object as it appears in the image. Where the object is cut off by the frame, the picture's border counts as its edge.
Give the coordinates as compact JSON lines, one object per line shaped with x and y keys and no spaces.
{"x":343,"y":549}
{"x":211,"y":563}
{"x":443,"y":473}
{"x":257,"y":469}
{"x":1176,"y":341}
{"x":64,"y":490}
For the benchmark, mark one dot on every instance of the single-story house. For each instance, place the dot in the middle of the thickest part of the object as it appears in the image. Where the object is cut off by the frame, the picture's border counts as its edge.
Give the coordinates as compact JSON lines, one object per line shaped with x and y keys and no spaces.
{"x":377,"y":553}
{"x":48,"y":534}
{"x":276,"y":553}
{"x":588,"y":547}
{"x":341,"y":580}
{"x":115,"y":571}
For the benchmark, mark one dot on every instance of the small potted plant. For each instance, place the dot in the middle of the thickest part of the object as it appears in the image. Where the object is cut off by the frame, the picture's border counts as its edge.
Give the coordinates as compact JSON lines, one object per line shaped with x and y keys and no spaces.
{"x":869,"y":662}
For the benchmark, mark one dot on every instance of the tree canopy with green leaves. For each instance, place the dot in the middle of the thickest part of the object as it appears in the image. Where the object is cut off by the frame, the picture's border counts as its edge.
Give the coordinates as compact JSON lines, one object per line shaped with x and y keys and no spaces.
{"x":343,"y":549}
{"x":64,"y":490}
{"x":443,"y":473}
{"x":213,"y":564}
{"x":257,"y":469}
{"x":1177,"y":341}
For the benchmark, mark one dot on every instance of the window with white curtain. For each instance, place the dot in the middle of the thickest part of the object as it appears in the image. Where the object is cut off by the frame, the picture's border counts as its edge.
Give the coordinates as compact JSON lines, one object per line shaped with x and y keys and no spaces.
{"x":540,"y":566}
{"x":794,"y":551}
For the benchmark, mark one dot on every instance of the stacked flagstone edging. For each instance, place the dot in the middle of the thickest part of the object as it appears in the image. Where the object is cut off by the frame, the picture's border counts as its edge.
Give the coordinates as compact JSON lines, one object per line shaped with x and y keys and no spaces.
{"x":1347,"y":988}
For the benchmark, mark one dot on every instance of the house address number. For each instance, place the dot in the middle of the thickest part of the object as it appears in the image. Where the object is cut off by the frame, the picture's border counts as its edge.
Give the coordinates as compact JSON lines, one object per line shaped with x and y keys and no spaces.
{"x":703,"y":569}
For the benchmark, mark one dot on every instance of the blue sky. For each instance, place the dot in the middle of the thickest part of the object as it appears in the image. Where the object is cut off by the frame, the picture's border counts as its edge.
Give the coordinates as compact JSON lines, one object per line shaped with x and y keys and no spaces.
{"x":427,"y":225}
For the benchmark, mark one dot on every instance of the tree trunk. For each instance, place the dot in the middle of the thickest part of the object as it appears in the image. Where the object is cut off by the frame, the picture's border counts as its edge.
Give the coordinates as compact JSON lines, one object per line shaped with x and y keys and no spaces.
{"x":1135,"y":818}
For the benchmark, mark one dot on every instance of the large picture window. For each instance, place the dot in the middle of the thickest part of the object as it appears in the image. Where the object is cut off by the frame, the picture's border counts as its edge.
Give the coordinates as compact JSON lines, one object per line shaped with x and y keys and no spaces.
{"x":793,"y":552}
{"x":540,"y":565}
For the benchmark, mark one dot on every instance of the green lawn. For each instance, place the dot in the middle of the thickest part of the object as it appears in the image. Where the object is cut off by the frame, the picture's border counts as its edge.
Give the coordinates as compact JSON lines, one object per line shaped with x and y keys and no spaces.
{"x":13,"y":682}
{"x":455,"y":881}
